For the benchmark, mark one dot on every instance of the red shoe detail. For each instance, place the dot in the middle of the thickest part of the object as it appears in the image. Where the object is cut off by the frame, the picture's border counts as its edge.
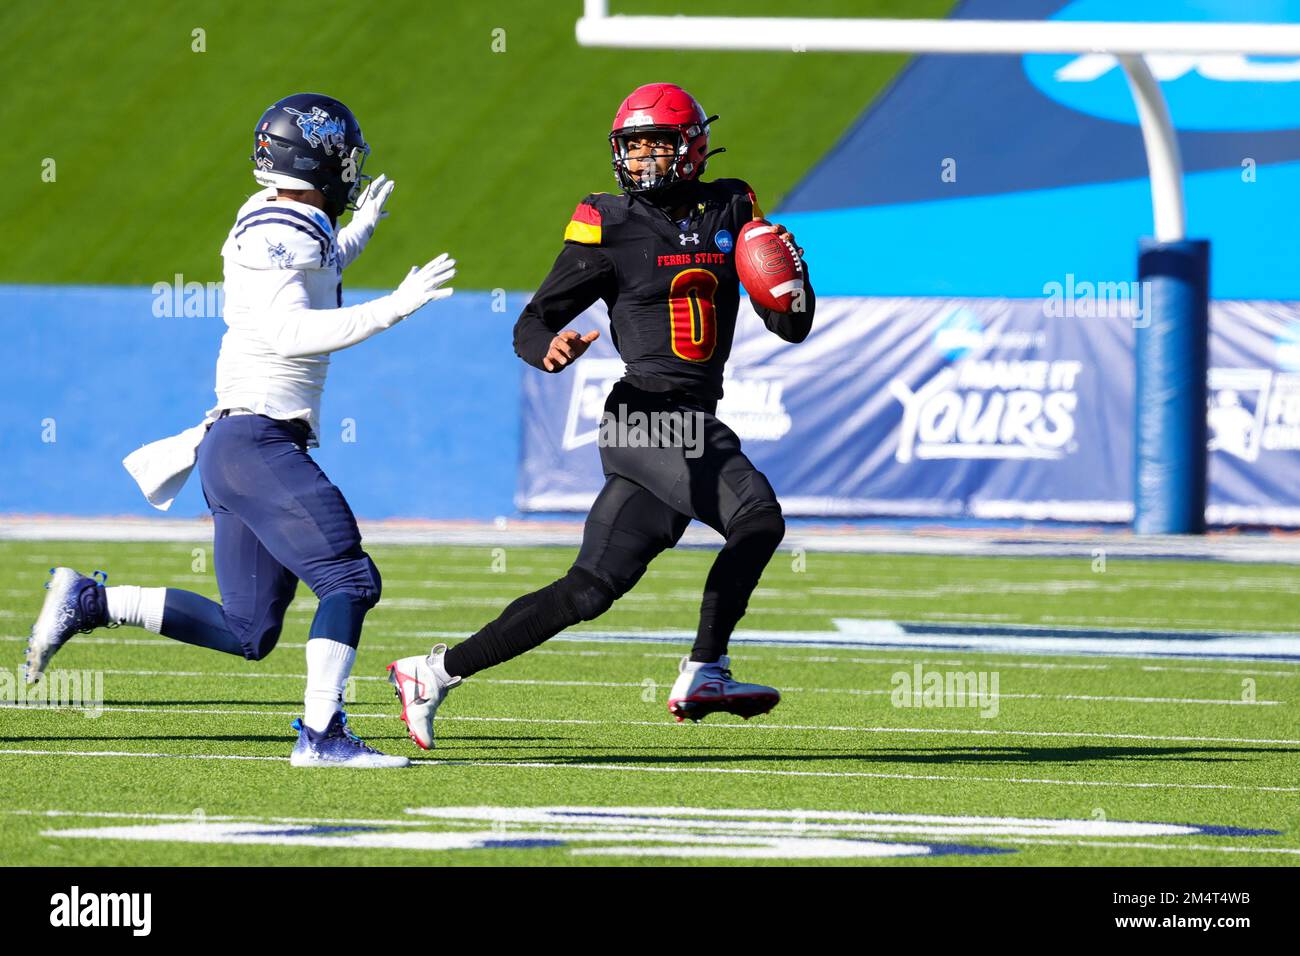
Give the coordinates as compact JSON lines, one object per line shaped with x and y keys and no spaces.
{"x":395,"y":677}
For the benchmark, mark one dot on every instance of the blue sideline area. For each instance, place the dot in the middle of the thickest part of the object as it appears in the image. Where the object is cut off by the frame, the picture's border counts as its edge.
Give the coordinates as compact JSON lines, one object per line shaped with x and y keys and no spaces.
{"x":434,"y":401}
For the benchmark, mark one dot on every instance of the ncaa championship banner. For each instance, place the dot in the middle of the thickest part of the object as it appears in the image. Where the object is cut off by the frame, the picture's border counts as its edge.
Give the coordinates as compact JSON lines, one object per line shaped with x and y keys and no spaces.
{"x":955,"y":408}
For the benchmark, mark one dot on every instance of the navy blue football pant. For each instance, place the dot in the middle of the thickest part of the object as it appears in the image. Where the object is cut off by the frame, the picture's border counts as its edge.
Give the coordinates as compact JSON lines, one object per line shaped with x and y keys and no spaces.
{"x":277,"y":520}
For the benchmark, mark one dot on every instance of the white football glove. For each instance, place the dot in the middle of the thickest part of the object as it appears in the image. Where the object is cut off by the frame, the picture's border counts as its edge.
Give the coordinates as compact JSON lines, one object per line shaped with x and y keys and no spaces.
{"x":370,"y":204}
{"x":422,"y":285}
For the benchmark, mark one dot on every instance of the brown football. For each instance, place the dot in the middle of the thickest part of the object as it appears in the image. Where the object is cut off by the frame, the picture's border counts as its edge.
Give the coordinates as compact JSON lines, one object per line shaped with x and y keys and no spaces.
{"x":768,"y":267}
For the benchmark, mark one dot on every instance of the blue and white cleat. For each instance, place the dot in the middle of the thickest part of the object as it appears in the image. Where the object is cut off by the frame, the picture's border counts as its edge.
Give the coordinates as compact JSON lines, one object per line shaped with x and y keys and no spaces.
{"x":76,"y":604}
{"x":421,"y":683}
{"x":337,"y":746}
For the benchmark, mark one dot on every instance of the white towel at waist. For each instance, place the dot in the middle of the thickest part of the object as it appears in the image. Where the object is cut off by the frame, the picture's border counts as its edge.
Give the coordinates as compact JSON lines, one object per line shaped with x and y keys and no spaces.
{"x":161,"y":467}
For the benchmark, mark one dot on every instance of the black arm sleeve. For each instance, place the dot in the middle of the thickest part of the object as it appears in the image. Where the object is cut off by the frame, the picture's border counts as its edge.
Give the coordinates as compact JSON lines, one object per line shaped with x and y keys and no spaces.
{"x":792,"y":326}
{"x":581,"y":275}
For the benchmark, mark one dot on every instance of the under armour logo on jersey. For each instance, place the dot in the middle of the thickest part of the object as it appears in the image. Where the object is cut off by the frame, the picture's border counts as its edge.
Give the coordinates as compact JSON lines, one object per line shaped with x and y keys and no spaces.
{"x":690,"y":237}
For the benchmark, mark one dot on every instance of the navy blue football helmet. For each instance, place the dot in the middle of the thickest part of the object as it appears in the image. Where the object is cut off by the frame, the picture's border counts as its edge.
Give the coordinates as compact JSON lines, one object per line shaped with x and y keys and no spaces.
{"x":311,"y":141}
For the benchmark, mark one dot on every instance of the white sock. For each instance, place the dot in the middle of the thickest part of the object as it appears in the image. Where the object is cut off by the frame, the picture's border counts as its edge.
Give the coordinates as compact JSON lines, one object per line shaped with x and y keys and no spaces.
{"x":328,"y":665}
{"x":439,"y":671}
{"x":139,"y":607}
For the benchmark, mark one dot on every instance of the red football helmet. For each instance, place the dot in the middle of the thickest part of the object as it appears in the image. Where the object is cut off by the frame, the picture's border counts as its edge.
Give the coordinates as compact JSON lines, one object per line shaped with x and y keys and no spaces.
{"x":661,"y":108}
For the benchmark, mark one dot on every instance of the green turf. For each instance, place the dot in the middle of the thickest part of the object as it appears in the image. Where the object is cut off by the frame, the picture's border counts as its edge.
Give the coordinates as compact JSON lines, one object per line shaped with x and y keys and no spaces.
{"x":490,"y":150}
{"x":595,"y":722}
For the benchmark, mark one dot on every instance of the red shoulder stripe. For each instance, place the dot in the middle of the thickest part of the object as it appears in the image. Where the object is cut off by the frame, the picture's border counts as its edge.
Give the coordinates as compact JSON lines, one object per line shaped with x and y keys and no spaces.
{"x":587,"y":213}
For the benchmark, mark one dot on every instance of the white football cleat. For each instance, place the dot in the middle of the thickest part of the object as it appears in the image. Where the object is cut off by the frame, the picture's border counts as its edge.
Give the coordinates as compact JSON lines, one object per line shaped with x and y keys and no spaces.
{"x":421,"y":684}
{"x":702,"y":689}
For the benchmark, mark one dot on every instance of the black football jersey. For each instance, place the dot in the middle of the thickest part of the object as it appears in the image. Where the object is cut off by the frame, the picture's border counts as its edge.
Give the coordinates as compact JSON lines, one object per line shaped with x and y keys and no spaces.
{"x":670,"y":286}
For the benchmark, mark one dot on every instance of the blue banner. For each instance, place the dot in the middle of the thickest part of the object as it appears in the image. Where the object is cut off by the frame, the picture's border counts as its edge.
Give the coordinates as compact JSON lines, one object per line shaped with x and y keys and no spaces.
{"x":958,"y":408}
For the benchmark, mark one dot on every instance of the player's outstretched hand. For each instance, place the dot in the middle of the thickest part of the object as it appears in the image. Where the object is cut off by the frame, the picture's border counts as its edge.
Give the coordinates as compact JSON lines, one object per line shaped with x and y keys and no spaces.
{"x":370,"y":207}
{"x":566,"y":347}
{"x":424,"y":285}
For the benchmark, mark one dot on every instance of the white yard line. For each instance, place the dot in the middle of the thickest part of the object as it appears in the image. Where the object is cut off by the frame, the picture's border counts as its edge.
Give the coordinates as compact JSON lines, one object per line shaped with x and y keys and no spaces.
{"x":879,"y":776}
{"x":826,"y":659}
{"x":1235,"y":647}
{"x":212,"y":818}
{"x":641,"y":684}
{"x":420,"y":822}
{"x":1214,"y":670}
{"x":823,"y":539}
{"x":631,"y":768}
{"x":1094,"y":844}
{"x":1098,"y":584}
{"x":132,"y":753}
{"x":168,"y":710}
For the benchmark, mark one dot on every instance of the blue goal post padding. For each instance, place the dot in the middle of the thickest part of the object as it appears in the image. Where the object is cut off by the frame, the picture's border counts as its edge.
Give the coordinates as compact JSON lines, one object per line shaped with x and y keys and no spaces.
{"x":1172,"y":346}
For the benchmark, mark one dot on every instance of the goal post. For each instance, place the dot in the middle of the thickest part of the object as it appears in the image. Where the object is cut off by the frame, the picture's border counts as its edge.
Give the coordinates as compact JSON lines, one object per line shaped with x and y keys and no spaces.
{"x":1171,"y":346}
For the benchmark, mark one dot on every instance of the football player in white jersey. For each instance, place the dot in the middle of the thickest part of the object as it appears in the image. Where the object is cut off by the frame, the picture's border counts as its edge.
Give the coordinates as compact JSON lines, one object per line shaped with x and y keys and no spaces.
{"x":276,"y":518}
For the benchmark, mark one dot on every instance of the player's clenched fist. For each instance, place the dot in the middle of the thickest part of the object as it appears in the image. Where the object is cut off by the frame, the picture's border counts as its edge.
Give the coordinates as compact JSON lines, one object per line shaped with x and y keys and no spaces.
{"x":424,"y":285}
{"x":566,"y":347}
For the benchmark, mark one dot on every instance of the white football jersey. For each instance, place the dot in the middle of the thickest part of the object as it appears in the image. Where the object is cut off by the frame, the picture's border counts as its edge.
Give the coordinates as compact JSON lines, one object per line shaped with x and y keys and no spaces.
{"x":280,"y":256}
{"x":284,"y":294}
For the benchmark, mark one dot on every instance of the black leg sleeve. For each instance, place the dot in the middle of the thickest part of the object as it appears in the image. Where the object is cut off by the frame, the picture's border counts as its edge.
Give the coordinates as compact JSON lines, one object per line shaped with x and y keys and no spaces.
{"x":751,"y":542}
{"x":626,"y":529}
{"x":530,"y":620}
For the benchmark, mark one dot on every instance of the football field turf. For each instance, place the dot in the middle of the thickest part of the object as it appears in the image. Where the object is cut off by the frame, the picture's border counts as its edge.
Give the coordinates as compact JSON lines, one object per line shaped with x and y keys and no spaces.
{"x":567,"y":756}
{"x":489,"y":117}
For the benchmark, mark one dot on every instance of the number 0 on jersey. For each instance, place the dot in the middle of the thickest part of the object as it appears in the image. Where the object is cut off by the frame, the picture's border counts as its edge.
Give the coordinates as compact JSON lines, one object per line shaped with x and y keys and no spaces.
{"x":690,"y":310}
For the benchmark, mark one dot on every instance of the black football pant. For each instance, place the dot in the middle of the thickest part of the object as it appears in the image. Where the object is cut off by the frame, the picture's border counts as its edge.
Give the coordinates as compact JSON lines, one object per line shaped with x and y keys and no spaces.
{"x":667,"y":459}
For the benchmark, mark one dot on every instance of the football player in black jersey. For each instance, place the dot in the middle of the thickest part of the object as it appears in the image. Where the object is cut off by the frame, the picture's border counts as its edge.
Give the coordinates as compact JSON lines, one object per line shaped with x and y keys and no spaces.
{"x":661,"y":256}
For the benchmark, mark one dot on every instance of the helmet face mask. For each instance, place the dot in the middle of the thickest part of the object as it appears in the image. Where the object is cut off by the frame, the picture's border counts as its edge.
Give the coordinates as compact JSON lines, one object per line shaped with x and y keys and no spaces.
{"x":642,"y":172}
{"x":353,"y":164}
{"x":311,"y":141}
